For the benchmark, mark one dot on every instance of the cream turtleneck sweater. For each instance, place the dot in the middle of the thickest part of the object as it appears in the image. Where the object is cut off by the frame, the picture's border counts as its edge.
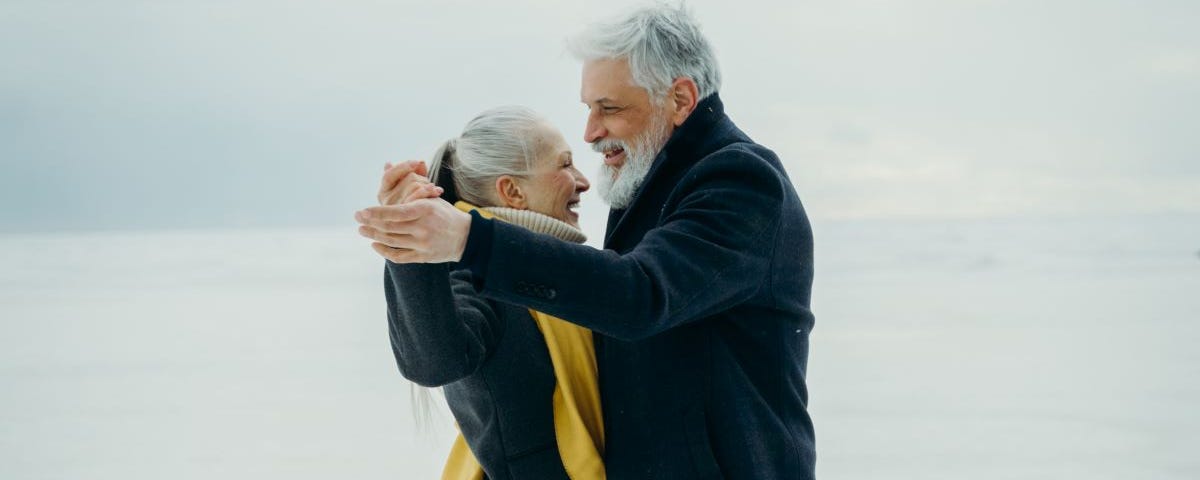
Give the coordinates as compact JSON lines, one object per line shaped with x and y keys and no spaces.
{"x":538,"y":222}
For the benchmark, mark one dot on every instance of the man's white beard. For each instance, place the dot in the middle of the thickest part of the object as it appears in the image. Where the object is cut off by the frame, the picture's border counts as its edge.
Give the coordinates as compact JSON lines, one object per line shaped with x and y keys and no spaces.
{"x":618,"y":185}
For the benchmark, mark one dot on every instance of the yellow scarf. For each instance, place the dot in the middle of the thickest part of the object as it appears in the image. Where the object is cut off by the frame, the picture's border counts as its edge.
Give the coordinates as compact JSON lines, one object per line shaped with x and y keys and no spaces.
{"x":578,"y":425}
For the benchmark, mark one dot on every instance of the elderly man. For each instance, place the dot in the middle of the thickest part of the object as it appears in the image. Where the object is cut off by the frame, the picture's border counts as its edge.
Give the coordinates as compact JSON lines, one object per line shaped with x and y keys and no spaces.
{"x":700,"y":299}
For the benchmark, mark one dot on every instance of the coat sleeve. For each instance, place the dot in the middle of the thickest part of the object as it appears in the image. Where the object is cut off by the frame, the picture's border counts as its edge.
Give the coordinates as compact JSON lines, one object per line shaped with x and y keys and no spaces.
{"x":441,"y":329}
{"x":710,"y":252}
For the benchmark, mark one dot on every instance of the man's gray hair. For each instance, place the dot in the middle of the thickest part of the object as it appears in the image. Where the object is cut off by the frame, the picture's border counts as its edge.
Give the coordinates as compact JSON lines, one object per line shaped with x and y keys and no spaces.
{"x":661,"y":42}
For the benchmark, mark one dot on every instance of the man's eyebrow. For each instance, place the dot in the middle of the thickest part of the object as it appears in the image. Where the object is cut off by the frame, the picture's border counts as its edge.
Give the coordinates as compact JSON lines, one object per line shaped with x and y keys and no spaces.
{"x":600,"y":100}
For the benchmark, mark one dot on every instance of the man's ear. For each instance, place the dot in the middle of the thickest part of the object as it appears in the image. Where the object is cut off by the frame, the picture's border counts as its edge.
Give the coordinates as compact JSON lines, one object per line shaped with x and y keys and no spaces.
{"x":510,"y":193}
{"x":682,"y":99}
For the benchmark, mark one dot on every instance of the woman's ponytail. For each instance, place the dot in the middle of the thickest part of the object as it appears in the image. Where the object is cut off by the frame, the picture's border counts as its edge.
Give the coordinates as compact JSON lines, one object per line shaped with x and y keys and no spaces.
{"x":441,"y":173}
{"x":441,"y":169}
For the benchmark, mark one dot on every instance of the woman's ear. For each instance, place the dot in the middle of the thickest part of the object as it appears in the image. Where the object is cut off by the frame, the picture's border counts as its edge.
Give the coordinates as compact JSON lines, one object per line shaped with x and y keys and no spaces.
{"x":509,"y":191}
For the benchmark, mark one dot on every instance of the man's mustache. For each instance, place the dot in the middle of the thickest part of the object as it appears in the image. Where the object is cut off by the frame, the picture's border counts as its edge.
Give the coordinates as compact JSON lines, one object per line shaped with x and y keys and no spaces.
{"x":606,"y":144}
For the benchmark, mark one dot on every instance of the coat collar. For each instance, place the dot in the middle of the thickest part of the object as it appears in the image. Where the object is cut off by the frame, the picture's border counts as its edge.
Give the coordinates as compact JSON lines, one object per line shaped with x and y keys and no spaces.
{"x":694,"y":140}
{"x":705,"y":131}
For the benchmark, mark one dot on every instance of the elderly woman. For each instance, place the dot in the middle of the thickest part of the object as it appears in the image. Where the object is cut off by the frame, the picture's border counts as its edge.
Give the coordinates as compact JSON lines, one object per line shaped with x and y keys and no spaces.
{"x":520,"y":383}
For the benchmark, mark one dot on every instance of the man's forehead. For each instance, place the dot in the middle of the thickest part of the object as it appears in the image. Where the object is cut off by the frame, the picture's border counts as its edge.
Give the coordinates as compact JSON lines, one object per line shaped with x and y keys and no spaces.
{"x":604,"y":80}
{"x":591,"y":100}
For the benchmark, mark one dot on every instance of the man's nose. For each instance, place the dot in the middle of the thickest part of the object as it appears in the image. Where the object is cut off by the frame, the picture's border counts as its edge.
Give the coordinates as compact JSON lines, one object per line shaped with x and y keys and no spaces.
{"x":594,"y":130}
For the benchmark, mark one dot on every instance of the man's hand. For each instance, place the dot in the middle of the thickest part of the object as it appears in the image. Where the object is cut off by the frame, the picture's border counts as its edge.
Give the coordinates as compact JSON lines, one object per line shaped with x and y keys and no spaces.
{"x":427,"y":230}
{"x":405,"y":182}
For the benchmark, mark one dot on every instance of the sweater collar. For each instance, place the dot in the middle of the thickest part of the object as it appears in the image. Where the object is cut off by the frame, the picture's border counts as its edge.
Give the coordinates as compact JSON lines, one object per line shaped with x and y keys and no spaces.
{"x":530,"y":220}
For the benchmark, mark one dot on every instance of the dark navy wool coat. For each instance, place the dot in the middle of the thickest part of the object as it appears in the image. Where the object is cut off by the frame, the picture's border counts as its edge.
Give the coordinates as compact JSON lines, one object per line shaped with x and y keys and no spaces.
{"x":700,"y":305}
{"x":491,"y":358}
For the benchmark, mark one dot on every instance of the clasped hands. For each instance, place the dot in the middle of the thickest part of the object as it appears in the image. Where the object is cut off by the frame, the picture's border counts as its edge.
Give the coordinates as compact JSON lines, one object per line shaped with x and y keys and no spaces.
{"x":412,"y":224}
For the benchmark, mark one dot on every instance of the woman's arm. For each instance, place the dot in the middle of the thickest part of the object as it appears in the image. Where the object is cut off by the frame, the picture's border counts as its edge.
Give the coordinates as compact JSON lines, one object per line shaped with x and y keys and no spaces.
{"x":441,"y":330}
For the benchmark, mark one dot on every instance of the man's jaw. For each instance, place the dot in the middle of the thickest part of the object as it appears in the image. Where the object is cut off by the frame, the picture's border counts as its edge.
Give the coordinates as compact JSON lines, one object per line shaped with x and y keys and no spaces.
{"x":624,"y":169}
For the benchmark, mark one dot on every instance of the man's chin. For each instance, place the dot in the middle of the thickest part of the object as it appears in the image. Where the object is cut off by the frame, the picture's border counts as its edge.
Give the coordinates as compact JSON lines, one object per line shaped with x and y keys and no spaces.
{"x":613,"y":173}
{"x":606,"y":177}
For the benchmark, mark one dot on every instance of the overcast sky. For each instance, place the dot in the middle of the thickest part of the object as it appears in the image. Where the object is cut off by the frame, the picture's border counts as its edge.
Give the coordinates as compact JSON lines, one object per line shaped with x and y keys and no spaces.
{"x":164,"y":114}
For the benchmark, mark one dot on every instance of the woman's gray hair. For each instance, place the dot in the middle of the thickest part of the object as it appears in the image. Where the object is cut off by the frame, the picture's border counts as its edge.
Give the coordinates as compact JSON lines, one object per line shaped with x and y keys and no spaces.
{"x":661,"y":42}
{"x":501,"y":141}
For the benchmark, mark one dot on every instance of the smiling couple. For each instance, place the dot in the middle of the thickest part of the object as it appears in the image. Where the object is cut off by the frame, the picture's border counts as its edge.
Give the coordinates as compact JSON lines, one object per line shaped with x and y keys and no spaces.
{"x":679,"y":351}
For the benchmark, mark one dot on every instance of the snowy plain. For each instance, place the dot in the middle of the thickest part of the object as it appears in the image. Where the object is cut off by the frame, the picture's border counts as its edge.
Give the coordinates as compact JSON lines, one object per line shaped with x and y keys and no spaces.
{"x":1034,"y":349}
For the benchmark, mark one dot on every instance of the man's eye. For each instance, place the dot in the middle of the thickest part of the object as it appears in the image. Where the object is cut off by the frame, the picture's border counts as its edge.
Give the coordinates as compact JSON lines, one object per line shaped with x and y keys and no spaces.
{"x":610,"y":109}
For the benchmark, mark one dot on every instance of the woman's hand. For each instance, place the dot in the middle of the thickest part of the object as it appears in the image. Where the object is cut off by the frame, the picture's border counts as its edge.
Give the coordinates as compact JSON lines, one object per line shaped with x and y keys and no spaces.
{"x":405,"y":182}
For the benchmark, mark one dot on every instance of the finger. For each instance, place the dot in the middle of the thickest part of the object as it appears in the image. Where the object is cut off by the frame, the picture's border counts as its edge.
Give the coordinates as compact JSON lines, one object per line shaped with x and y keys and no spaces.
{"x":390,"y":197}
{"x":414,"y":178}
{"x":393,"y":240}
{"x":405,"y":189}
{"x":402,"y":188}
{"x":396,"y":255}
{"x":428,"y":190}
{"x":386,"y":166}
{"x":393,"y":213}
{"x":396,"y":228}
{"x":393,"y":175}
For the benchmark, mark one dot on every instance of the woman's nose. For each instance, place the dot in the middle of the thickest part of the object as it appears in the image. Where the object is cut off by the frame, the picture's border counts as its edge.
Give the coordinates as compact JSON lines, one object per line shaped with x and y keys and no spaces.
{"x":581,"y":183}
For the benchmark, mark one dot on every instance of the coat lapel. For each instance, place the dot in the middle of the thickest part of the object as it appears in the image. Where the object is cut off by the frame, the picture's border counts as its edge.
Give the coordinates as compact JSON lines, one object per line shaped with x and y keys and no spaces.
{"x":686,"y":146}
{"x":619,"y":220}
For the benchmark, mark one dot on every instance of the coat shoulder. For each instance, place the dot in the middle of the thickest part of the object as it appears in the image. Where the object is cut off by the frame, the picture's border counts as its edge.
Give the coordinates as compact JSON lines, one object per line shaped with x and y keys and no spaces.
{"x":740,"y":164}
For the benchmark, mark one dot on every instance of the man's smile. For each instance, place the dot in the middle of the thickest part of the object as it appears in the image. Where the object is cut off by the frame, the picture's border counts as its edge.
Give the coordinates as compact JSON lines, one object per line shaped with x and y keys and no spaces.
{"x":614,"y":157}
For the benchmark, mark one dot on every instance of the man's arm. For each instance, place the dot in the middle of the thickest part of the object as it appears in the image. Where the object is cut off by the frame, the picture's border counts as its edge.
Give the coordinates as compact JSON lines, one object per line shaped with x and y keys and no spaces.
{"x":712,"y":251}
